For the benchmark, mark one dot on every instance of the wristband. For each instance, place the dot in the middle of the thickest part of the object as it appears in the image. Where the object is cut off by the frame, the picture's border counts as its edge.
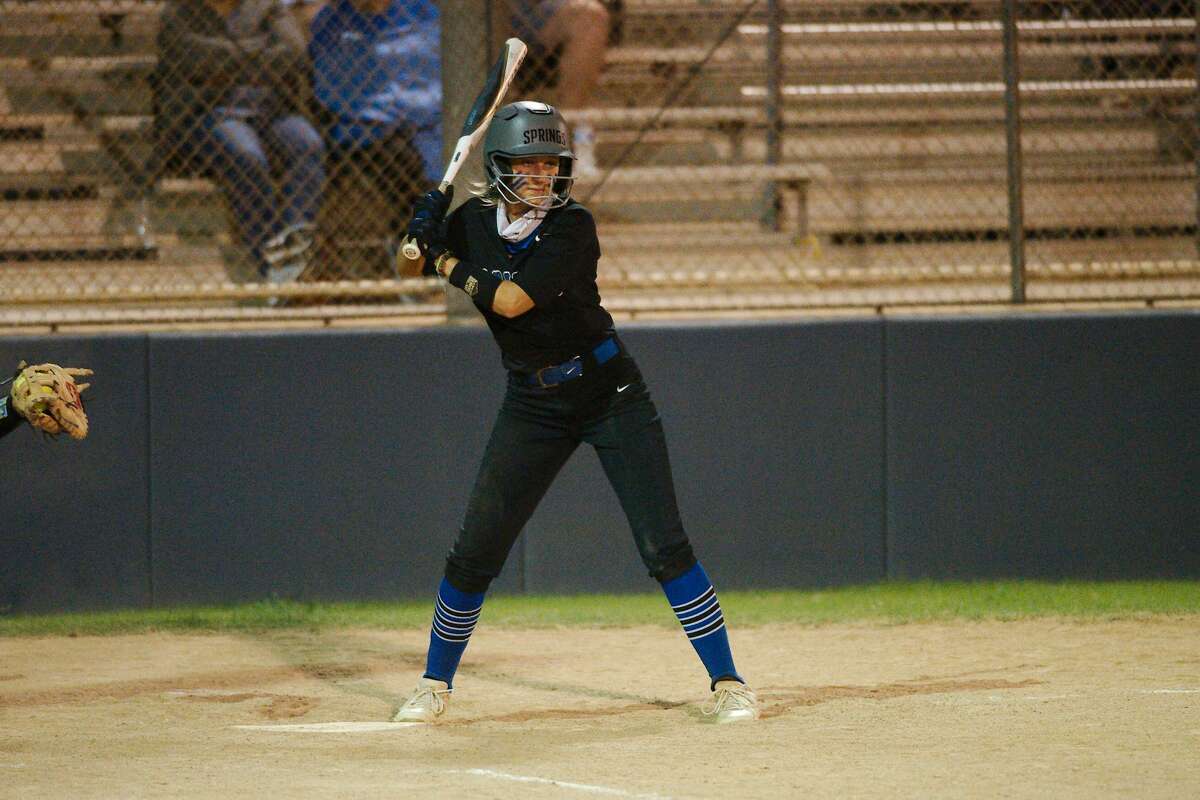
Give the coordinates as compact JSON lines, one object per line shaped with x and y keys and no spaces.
{"x":479,"y":284}
{"x":440,"y":261}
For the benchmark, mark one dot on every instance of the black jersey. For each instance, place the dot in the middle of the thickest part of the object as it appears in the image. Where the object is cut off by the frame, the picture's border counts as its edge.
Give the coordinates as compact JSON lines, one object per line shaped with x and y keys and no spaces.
{"x":556,"y":268}
{"x":8,"y":415}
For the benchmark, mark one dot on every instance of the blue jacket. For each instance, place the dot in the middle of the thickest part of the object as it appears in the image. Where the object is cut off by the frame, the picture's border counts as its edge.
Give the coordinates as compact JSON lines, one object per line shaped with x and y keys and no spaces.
{"x":376,"y":73}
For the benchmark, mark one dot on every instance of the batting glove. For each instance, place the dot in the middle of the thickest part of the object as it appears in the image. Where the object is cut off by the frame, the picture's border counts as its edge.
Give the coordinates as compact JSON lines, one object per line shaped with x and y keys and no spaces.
{"x":433,"y":204}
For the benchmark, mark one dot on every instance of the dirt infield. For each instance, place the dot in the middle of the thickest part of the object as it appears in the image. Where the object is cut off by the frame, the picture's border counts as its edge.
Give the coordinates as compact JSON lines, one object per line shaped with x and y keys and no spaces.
{"x":1044,"y":708}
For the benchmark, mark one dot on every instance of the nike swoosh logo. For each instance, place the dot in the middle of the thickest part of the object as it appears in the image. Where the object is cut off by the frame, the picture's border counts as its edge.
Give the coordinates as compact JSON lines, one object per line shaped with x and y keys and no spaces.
{"x":569,"y":371}
{"x":623,"y":388}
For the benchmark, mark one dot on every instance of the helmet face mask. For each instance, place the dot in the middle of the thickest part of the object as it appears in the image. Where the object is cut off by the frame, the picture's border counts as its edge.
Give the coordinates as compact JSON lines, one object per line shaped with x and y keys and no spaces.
{"x":508,"y":183}
{"x":523,"y":129}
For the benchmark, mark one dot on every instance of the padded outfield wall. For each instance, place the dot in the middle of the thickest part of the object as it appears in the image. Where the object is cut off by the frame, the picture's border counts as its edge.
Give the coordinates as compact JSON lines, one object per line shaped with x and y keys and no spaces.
{"x":336,"y":465}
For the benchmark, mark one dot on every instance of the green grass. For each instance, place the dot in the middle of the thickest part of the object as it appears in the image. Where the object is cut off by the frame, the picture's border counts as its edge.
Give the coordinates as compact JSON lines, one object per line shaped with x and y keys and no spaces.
{"x":886,"y":603}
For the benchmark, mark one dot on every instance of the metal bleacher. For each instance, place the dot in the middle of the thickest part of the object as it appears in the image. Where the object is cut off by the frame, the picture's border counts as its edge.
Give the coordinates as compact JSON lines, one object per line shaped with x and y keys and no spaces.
{"x":891,"y":187}
{"x":901,"y":107}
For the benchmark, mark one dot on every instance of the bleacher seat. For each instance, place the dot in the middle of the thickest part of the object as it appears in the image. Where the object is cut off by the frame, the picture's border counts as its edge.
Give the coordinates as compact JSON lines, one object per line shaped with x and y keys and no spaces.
{"x":891,"y":143}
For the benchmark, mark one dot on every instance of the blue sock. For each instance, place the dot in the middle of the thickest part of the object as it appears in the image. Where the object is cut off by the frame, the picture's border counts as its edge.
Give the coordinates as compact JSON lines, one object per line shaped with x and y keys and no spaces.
{"x":454,"y":618}
{"x":694,"y":601}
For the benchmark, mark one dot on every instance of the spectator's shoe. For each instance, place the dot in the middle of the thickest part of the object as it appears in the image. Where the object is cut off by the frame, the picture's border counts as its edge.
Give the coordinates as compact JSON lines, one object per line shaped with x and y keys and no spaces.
{"x":287,"y":253}
{"x":731,"y":701}
{"x":287,"y":256}
{"x":426,"y":703}
{"x":286,"y":272}
{"x":584,"y":143}
{"x":292,"y":238}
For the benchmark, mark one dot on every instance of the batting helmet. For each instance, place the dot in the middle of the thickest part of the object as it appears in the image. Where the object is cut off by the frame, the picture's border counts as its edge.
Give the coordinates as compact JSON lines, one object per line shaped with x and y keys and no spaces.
{"x":528,"y":128}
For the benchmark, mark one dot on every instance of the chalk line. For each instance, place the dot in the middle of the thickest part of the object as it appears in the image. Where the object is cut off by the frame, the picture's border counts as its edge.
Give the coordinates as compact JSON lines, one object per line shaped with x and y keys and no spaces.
{"x":583,"y":787}
{"x":333,"y":727}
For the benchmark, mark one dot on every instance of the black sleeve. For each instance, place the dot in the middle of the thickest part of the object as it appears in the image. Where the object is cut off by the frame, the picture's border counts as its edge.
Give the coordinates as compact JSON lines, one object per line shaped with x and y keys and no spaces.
{"x":455,"y":230}
{"x":9,"y":419}
{"x":564,"y":255}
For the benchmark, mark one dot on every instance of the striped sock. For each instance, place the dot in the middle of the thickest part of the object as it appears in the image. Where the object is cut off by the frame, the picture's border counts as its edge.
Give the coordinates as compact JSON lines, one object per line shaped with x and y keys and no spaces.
{"x":454,"y":618}
{"x":694,"y":601}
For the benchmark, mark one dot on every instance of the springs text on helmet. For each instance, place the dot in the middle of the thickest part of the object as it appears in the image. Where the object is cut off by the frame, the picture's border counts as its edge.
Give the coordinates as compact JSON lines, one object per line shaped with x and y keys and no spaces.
{"x":545,"y":135}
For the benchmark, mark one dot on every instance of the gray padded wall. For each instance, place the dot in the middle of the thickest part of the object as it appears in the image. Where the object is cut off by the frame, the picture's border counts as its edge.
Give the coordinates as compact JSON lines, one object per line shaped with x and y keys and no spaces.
{"x":75,"y":513}
{"x":336,"y":464}
{"x":1044,"y":446}
{"x":314,"y":465}
{"x":775,"y":433}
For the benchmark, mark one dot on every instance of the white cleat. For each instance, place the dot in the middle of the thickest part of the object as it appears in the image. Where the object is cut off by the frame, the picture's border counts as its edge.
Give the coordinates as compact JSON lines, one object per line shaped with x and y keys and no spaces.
{"x":731,"y":702}
{"x":426,"y":703}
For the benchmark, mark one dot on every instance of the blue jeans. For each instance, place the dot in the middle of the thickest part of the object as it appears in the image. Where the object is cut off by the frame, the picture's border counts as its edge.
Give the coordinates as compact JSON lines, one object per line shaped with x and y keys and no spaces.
{"x":244,"y":148}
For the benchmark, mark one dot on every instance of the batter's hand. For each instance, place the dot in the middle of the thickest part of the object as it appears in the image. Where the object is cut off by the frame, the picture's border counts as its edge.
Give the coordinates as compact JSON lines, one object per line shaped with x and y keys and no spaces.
{"x":433,"y":204}
{"x":433,"y":250}
{"x":48,"y":397}
{"x":428,"y":214}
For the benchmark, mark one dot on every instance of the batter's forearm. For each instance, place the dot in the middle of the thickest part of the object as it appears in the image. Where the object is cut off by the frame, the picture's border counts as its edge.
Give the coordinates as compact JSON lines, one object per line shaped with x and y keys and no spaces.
{"x":487,"y":290}
{"x":479,"y":284}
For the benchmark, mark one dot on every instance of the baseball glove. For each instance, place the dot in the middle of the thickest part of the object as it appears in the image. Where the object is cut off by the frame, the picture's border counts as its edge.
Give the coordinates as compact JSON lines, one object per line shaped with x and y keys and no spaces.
{"x":47,"y":396}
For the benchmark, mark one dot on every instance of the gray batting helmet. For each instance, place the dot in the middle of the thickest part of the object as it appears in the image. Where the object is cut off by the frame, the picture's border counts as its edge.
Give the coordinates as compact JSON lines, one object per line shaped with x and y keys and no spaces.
{"x":528,"y":128}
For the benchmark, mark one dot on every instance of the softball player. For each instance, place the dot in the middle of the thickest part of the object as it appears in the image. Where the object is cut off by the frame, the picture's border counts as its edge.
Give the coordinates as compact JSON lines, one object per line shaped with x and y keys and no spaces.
{"x":526,"y":254}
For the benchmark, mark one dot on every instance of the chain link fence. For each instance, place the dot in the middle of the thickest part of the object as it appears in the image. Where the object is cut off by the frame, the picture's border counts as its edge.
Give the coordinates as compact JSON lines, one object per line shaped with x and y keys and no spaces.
{"x":1109,"y":139}
{"x":216,"y":159}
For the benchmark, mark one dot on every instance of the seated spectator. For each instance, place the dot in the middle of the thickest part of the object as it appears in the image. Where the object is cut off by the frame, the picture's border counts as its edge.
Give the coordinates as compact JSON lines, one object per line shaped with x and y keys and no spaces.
{"x":567,"y":38}
{"x":231,"y":94}
{"x":377,"y":86}
{"x":304,"y":11}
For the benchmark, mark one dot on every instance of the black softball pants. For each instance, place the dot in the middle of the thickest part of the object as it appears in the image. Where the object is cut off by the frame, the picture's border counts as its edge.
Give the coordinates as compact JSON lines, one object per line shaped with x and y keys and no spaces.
{"x":535,"y":433}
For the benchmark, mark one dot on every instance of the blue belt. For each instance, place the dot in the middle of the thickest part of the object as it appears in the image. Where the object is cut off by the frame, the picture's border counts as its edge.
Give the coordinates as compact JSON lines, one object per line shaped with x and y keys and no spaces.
{"x":570,"y":370}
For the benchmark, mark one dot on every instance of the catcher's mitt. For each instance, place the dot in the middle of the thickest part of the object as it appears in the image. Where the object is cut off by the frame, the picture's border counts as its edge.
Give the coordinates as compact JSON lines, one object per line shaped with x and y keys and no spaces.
{"x":47,"y":396}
